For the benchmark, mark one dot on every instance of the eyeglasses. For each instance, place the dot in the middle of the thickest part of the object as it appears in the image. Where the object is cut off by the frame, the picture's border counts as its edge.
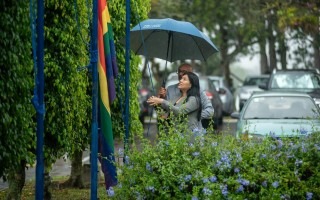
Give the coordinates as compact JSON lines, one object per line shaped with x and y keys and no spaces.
{"x":181,"y":71}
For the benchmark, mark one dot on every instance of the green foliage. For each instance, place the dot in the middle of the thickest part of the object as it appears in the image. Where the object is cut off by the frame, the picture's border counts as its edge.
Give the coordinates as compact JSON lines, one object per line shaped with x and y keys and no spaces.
{"x":139,"y":10}
{"x":67,"y":98}
{"x":206,"y":166}
{"x":17,"y":129}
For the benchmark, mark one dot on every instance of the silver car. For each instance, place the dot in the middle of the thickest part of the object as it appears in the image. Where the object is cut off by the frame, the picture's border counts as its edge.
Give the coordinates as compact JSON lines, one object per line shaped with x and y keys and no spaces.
{"x":277,"y":114}
{"x":250,"y":85}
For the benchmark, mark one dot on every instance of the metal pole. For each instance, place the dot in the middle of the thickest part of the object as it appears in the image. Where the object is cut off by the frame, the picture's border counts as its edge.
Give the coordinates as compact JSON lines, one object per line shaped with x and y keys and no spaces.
{"x":127,"y":74}
{"x":40,"y":111}
{"x":94,"y":131}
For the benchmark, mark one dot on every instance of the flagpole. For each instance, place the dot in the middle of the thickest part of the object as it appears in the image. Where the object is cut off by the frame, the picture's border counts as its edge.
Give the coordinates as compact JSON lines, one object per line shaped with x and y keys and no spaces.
{"x":94,"y":130}
{"x":127,"y":74}
{"x":40,"y":103}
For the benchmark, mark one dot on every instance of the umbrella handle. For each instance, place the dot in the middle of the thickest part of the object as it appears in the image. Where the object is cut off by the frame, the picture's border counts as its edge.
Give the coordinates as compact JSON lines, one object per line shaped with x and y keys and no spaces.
{"x":163,"y":83}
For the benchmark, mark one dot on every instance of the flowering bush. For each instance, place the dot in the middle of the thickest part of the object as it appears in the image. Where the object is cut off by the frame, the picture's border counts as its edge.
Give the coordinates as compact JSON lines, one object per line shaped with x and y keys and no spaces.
{"x":200,"y":165}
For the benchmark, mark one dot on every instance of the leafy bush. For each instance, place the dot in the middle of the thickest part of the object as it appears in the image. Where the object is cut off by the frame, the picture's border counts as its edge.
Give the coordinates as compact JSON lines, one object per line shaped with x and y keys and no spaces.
{"x":207,"y":166}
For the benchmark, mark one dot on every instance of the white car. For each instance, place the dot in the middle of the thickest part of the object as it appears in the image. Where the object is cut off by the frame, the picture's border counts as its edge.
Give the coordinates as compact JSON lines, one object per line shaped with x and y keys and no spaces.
{"x":250,"y":85}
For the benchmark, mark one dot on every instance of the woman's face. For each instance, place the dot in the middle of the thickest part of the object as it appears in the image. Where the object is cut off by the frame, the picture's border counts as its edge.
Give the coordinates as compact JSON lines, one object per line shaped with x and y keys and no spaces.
{"x":184,"y":83}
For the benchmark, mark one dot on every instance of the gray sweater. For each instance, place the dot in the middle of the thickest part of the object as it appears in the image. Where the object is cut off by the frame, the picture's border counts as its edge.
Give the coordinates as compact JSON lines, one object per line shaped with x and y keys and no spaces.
{"x":207,"y":110}
{"x":189,"y":108}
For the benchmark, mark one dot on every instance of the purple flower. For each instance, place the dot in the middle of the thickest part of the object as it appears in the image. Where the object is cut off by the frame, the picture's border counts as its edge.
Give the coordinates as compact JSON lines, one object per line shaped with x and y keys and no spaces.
{"x":214,"y":144}
{"x":196,"y":154}
{"x":236,"y":170}
{"x":239,"y":157}
{"x":303,"y":148}
{"x":207,"y":191}
{"x":110,"y":192}
{"x":280,"y":143}
{"x":285,"y":196}
{"x":243,"y":182}
{"x":205,"y":180}
{"x":303,"y":131}
{"x":309,"y":195}
{"x":148,"y":167}
{"x":213,"y":179}
{"x":224,"y":190}
{"x":150,"y":188}
{"x":187,"y":178}
{"x":181,"y":186}
{"x":194,"y":198}
{"x":240,"y":189}
{"x":273,"y":147}
{"x":127,"y":160}
{"x":264,"y":184}
{"x":120,"y":151}
{"x":298,"y":162}
{"x":275,"y":184}
{"x":218,"y":163}
{"x":263,"y":156}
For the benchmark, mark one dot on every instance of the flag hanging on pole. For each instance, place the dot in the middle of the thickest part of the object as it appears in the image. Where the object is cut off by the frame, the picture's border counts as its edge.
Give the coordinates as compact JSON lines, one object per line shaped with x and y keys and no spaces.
{"x":107,"y":69}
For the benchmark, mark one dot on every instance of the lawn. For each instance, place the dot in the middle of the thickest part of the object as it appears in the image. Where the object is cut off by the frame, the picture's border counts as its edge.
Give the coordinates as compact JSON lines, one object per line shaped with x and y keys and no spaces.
{"x":28,"y":192}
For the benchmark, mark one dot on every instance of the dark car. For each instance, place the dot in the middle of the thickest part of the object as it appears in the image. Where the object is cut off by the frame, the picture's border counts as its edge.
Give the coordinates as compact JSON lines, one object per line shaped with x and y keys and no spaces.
{"x":225,"y":93}
{"x":213,"y":95}
{"x":301,"y":80}
{"x":145,"y":108}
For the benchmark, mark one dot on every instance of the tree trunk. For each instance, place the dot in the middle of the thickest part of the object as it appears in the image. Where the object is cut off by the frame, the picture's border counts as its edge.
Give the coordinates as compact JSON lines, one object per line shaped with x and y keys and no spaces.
{"x":316,"y":50}
{"x":75,"y":180}
{"x":264,"y":67}
{"x":16,"y":180}
{"x":282,"y":49}
{"x":224,"y":63}
{"x":47,"y":187}
{"x":271,"y":41}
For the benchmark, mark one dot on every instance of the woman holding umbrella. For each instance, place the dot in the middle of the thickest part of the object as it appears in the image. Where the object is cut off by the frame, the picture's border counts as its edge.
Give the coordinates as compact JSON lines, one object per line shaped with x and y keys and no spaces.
{"x":188,"y":104}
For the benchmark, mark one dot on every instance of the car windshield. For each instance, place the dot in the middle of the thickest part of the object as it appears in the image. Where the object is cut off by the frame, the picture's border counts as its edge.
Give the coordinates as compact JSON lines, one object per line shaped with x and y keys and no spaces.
{"x":296,"y":80}
{"x":216,"y":83}
{"x":203,"y":84}
{"x":255,"y":81}
{"x":276,"y":107}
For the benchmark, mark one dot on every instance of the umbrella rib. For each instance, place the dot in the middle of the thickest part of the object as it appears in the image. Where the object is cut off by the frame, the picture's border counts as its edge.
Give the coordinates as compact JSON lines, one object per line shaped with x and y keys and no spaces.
{"x":143,"y":39}
{"x":193,"y":38}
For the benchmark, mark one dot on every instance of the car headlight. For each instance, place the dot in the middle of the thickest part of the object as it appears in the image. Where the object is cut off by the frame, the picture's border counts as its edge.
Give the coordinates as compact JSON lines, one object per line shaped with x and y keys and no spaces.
{"x":317,"y":101}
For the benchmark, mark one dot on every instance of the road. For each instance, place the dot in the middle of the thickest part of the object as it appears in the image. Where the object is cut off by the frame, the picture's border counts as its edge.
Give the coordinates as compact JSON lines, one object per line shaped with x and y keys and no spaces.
{"x":63,"y":166}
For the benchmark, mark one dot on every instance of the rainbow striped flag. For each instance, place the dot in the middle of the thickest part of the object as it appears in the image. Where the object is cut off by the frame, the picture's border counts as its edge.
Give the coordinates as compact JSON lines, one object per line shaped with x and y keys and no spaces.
{"x":107,"y":69}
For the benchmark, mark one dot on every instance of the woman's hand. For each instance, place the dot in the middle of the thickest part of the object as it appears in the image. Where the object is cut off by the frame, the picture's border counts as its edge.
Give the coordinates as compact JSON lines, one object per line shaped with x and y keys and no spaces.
{"x":153,"y":101}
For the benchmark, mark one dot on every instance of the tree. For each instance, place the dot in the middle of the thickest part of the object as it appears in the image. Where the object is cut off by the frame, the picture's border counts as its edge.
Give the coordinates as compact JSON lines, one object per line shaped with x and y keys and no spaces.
{"x":17,"y":136}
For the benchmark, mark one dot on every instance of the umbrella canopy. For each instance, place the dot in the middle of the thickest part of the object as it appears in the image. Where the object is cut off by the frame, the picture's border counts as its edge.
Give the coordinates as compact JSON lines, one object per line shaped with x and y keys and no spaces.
{"x":170,"y":40}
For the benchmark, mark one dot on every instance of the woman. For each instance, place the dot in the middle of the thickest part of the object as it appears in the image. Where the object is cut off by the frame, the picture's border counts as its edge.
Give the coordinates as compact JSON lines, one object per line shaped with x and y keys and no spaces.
{"x":187,"y":104}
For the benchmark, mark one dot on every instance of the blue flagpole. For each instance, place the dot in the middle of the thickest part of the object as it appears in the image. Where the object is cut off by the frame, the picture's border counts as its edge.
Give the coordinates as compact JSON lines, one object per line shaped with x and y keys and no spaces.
{"x":127,"y":75}
{"x":94,"y":131}
{"x":40,"y":104}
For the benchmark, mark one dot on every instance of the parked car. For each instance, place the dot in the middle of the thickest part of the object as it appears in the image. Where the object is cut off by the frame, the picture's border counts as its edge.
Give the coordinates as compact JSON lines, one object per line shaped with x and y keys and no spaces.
{"x":277,"y":114}
{"x":212,"y":94}
{"x":301,"y":80}
{"x":250,"y":84}
{"x":145,"y":108}
{"x":226,"y":95}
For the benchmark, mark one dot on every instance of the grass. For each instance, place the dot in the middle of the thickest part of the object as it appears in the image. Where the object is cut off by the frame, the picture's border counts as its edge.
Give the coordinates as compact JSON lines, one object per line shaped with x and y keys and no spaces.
{"x":28,"y":192}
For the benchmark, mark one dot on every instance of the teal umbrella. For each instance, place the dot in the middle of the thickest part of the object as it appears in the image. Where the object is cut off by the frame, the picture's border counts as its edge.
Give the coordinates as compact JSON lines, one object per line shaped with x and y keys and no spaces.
{"x":170,"y":40}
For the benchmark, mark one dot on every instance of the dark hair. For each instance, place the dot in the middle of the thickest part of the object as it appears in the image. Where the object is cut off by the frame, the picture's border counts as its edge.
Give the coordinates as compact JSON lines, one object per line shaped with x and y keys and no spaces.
{"x":194,"y":90}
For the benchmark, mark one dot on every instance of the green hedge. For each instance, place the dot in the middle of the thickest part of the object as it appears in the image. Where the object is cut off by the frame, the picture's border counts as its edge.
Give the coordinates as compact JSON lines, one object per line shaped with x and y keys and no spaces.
{"x":220,"y":167}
